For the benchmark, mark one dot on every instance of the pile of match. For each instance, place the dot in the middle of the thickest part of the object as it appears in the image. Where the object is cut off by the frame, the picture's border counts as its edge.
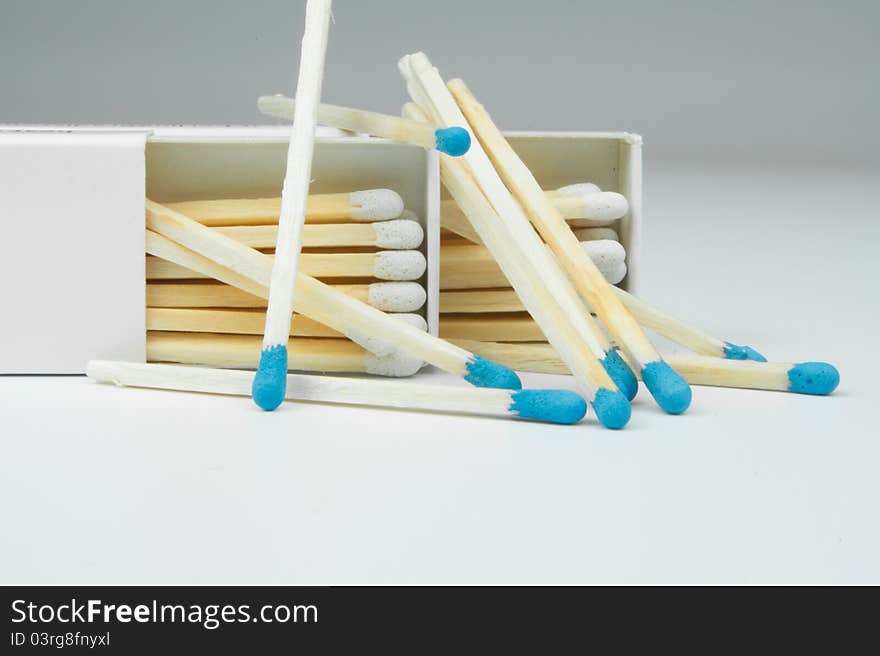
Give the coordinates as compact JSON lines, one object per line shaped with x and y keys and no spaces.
{"x":332,"y":282}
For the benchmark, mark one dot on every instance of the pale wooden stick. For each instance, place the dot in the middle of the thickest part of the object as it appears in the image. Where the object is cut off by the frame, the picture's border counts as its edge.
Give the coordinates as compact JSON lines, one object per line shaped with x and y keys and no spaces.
{"x":385,"y":296}
{"x":204,"y":250}
{"x":397,"y":234}
{"x":480,"y":301}
{"x":572,"y":209}
{"x":361,"y":206}
{"x":557,"y":406}
{"x":612,"y":408}
{"x":670,"y":391}
{"x":497,"y":328}
{"x":471,"y":266}
{"x":304,"y":354}
{"x":452,"y":141}
{"x":384,"y":265}
{"x":817,"y":378}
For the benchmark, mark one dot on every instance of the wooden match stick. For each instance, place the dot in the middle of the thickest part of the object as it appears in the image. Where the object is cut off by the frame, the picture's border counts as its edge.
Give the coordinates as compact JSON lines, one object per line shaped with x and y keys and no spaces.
{"x":816,"y":378}
{"x":360,"y":206}
{"x":555,"y":406}
{"x":579,"y":210}
{"x":578,"y":344}
{"x":452,"y":141}
{"x":385,"y":296}
{"x":304,"y":354}
{"x":670,"y":390}
{"x":470,"y":266}
{"x":250,"y":322}
{"x":497,"y":328}
{"x":396,"y":234}
{"x":384,"y":265}
{"x":181,"y":240}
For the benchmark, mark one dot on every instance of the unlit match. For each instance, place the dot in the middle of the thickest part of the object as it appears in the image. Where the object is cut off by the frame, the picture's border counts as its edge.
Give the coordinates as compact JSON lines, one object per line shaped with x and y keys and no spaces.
{"x":396,"y":234}
{"x":554,"y":406}
{"x":452,"y":141}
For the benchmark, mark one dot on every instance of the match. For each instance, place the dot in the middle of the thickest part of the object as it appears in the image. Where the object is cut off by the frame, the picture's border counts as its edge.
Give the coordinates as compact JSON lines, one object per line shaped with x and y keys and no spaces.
{"x":553,"y":406}
{"x":383,"y":265}
{"x":385,"y":296}
{"x":396,"y":234}
{"x":452,"y":141}
{"x":359,"y":206}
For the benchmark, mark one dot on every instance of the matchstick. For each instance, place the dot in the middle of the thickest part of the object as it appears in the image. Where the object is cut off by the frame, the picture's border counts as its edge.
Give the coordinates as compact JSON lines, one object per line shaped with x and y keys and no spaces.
{"x":578,"y":208}
{"x":670,"y":390}
{"x":506,"y":300}
{"x":360,"y":206}
{"x":384,"y":265}
{"x":304,"y":354}
{"x":496,"y":328}
{"x":595,"y":234}
{"x":247,"y":322}
{"x":815,"y":378}
{"x":470,"y":266}
{"x":452,"y":141}
{"x":396,"y":234}
{"x":581,"y":347}
{"x":181,"y":240}
{"x":385,"y":296}
{"x":554,"y":406}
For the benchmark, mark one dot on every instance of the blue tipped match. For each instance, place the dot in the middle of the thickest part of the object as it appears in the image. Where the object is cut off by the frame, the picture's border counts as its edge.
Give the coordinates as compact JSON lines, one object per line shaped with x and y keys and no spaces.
{"x":270,"y":383}
{"x":556,"y":406}
{"x":621,"y":374}
{"x":670,"y":390}
{"x":612,"y":408}
{"x":485,"y":373}
{"x":818,"y":378}
{"x":736,"y":352}
{"x":453,"y":141}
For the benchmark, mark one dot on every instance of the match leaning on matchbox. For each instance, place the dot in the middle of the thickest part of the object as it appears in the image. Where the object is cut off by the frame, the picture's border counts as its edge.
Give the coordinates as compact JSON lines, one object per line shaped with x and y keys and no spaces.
{"x":356,"y":242}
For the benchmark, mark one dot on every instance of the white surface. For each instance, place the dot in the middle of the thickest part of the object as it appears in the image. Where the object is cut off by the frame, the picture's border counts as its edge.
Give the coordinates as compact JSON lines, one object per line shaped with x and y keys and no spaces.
{"x":104,"y":485}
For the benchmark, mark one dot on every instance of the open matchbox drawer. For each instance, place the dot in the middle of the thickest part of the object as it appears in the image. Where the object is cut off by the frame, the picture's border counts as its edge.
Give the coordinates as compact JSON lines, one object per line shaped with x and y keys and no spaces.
{"x":72,"y":201}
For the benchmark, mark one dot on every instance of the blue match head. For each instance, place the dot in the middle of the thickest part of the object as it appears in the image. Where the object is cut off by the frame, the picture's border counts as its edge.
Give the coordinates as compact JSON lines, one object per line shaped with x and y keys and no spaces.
{"x":453,"y":141}
{"x":670,"y":390}
{"x":555,"y":406}
{"x":270,"y":383}
{"x":485,"y":373}
{"x":612,"y":408}
{"x":818,"y":378}
{"x":621,"y":374}
{"x":736,"y":352}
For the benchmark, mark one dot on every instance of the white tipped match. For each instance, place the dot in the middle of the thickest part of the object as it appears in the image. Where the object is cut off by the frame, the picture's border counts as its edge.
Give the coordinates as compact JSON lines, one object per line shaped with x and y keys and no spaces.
{"x":399,"y":265}
{"x":606,"y":205}
{"x":609,"y":257}
{"x":579,"y":189}
{"x":379,"y":346}
{"x":399,"y":234}
{"x":395,"y":365}
{"x":396,"y":296}
{"x":375,"y":205}
{"x":594,"y":234}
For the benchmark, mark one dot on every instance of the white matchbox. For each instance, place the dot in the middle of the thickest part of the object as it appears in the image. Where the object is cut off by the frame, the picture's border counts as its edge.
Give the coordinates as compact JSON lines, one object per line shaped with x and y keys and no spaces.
{"x":72,"y":205}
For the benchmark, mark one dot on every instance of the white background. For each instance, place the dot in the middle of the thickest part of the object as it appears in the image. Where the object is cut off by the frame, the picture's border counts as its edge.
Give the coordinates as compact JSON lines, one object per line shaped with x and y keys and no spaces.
{"x":107,"y":485}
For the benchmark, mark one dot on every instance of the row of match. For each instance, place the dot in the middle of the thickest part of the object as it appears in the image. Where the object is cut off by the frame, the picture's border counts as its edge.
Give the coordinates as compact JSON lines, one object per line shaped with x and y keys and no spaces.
{"x":527,"y":278}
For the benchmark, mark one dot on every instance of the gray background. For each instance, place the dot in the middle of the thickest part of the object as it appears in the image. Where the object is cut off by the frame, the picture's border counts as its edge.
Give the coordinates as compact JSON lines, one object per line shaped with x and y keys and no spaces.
{"x":783,"y":82}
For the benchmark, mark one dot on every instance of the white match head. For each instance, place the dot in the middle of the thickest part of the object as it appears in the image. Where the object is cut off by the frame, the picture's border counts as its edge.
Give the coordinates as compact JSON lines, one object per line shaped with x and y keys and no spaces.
{"x":399,"y":265}
{"x":605,"y":206}
{"x":593,"y":234}
{"x":396,"y":296}
{"x":375,"y":205}
{"x":396,"y":364}
{"x":380,"y":345}
{"x":609,"y":257}
{"x":579,"y":189}
{"x":398,"y":234}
